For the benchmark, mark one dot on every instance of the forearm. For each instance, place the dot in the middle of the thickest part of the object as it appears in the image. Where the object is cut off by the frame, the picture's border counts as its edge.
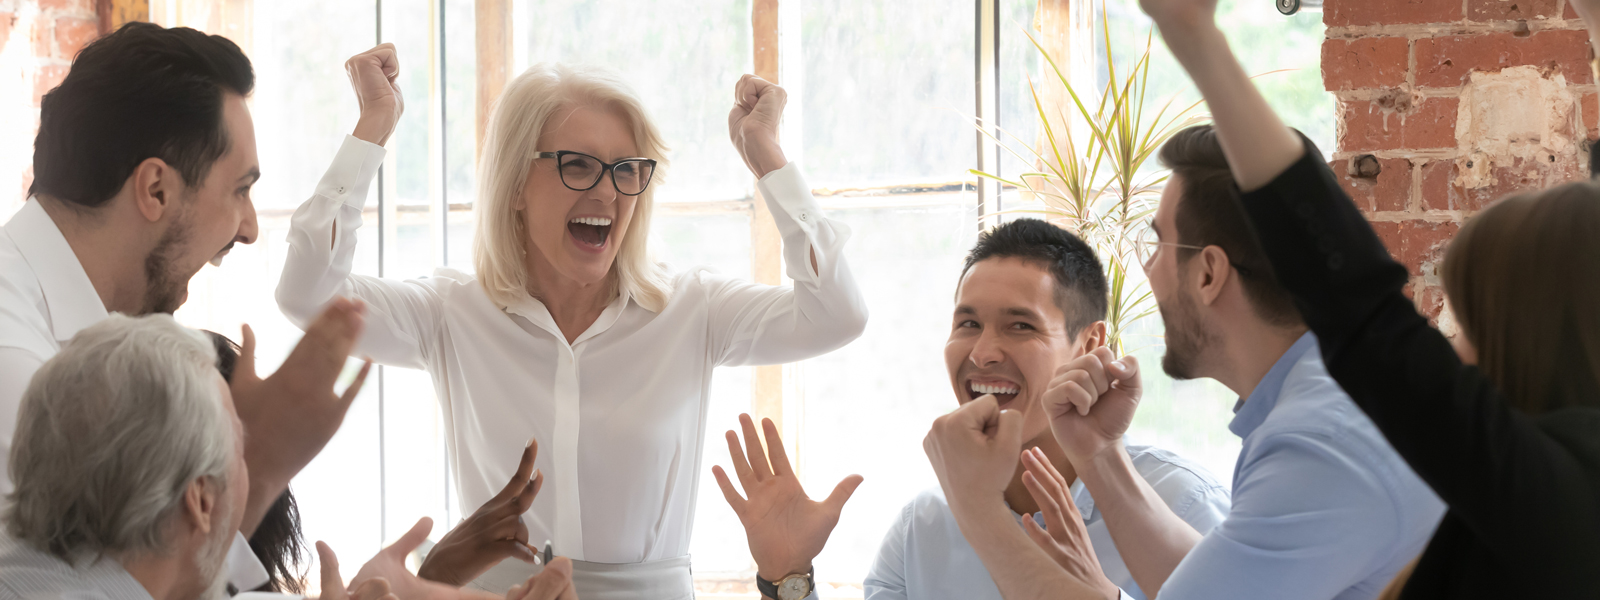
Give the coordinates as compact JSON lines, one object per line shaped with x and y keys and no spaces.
{"x":322,"y":239}
{"x":1020,"y":569}
{"x":1151,"y":539}
{"x":1256,"y":142}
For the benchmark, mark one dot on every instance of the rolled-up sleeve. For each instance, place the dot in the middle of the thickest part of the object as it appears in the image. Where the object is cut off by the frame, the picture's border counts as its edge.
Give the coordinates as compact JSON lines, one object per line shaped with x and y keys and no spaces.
{"x":754,"y":324}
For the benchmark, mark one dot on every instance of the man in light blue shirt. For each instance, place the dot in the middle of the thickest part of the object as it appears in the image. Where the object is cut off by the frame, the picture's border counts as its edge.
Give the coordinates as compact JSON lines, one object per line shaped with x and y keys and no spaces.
{"x":924,"y":555}
{"x":1031,"y":298}
{"x":1323,"y":507}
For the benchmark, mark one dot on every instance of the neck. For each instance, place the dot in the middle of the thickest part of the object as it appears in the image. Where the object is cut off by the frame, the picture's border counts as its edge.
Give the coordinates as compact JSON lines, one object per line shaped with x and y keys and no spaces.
{"x":572,"y":304}
{"x":1250,"y":351}
{"x":161,"y":575}
{"x":1017,"y":495}
{"x":102,"y":249}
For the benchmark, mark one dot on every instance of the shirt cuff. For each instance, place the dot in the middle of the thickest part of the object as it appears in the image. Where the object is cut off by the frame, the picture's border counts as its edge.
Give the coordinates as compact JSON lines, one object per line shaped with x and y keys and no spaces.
{"x":352,"y":171}
{"x":786,"y":190}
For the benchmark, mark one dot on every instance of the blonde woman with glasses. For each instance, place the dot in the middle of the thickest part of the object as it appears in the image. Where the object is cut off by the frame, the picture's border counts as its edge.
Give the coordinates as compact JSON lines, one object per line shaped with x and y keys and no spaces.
{"x":568,"y":333}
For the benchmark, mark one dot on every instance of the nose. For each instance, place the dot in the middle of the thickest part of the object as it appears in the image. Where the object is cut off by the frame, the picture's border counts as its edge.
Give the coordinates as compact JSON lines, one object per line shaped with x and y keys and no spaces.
{"x":987,"y":351}
{"x":604,"y":190}
{"x":249,"y":229}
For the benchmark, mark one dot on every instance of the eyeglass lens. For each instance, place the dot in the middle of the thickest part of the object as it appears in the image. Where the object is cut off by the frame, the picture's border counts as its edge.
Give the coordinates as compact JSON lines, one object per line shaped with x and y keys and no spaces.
{"x":582,"y":172}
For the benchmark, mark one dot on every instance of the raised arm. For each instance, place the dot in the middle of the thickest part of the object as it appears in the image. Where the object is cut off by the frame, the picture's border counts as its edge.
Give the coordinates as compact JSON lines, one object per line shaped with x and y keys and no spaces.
{"x":1449,"y":423}
{"x":758,"y":324}
{"x":1258,"y":145}
{"x":322,"y":233}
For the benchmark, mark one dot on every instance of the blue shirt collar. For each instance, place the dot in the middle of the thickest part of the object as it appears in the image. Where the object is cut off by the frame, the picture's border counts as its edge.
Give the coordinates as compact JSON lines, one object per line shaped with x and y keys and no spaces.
{"x":1253,"y":411}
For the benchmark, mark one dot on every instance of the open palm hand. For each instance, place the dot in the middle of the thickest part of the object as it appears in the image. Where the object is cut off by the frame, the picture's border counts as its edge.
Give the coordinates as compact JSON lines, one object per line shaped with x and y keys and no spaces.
{"x":786,"y":529}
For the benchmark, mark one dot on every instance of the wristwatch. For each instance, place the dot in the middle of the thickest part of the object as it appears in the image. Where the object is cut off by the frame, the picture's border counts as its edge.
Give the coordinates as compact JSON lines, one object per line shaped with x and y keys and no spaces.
{"x":792,"y":587}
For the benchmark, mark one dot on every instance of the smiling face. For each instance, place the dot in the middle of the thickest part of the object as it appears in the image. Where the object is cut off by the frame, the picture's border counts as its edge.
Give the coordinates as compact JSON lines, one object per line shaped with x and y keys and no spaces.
{"x":1008,"y":336}
{"x":571,"y":233}
{"x":209,"y":219}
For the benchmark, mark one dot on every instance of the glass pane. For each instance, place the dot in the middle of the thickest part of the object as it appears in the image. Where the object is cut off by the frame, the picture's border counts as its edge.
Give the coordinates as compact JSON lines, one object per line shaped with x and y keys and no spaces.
{"x":889,"y":92}
{"x":460,"y":129}
{"x":868,"y":405}
{"x":1020,"y":65}
{"x":1264,"y":40}
{"x":682,"y":57}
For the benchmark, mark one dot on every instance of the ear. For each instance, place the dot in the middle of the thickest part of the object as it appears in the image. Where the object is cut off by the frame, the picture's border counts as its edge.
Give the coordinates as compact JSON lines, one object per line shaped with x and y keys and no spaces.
{"x":156,"y":186}
{"x":1212,"y":271}
{"x":200,"y":503}
{"x":1092,"y":337}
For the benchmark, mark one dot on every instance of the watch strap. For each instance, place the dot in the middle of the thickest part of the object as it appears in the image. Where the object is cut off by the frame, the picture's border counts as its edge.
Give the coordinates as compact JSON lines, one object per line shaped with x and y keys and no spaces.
{"x":769,"y":589}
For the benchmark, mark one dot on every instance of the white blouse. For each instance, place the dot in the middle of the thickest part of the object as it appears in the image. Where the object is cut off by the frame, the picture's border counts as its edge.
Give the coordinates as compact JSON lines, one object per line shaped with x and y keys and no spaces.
{"x":620,"y":413}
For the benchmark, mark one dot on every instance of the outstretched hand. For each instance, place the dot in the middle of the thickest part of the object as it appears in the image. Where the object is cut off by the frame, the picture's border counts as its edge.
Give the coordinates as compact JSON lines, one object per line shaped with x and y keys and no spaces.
{"x":786,"y":529}
{"x":494,"y":532}
{"x":376,"y":588}
{"x":753,"y":124}
{"x":1063,"y":537}
{"x":1091,"y":402}
{"x":289,"y":416}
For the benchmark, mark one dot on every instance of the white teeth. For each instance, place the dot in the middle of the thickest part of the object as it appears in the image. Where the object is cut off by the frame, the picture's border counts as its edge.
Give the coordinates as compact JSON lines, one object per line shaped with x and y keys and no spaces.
{"x":596,"y":221}
{"x":994,"y":389}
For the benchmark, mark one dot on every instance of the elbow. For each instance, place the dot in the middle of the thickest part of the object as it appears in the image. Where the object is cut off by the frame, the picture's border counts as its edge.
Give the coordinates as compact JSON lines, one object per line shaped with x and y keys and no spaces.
{"x":296,"y":307}
{"x":854,"y":322}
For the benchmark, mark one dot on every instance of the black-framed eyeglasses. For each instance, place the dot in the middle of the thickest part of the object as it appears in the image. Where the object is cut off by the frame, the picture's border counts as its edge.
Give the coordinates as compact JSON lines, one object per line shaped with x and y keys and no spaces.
{"x":581,"y":172}
{"x":1147,"y":242}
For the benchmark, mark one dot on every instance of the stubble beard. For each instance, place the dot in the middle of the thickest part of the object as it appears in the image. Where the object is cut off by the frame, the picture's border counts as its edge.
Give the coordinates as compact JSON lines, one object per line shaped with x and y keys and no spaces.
{"x":1187,"y":337}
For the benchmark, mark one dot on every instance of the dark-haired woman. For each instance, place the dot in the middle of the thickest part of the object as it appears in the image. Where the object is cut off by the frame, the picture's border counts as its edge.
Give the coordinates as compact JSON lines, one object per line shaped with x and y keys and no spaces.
{"x":277,"y":541}
{"x":1507,"y":429}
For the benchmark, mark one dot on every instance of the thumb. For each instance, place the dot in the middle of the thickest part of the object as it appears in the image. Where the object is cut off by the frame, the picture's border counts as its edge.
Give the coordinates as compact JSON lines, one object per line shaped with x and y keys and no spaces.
{"x":1126,"y":372}
{"x":550,"y":583}
{"x":413,"y":538}
{"x":332,"y":582}
{"x":1009,"y":435}
{"x":842,"y":492}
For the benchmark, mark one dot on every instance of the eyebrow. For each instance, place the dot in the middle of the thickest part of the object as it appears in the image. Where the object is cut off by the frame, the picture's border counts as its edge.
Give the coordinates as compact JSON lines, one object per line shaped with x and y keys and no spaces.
{"x":253,"y":175}
{"x":1025,"y":313}
{"x":965,"y":310}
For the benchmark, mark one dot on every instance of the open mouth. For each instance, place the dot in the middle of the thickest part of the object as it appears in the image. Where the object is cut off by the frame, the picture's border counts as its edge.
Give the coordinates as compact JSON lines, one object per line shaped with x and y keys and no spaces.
{"x":1003,"y":391}
{"x":590,"y":232}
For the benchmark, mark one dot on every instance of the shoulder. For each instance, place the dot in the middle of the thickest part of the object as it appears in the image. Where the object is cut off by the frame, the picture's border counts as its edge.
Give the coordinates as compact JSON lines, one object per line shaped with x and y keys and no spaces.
{"x":22,"y":319}
{"x":1191,"y":491}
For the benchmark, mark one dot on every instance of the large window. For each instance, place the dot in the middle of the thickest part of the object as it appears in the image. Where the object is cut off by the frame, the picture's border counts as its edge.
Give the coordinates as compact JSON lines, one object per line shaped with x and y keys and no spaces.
{"x":882,"y":97}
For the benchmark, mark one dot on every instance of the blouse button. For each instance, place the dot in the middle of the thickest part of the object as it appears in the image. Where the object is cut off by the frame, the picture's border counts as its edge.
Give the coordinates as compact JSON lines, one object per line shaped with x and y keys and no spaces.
{"x":802,"y":216}
{"x":341,"y":189}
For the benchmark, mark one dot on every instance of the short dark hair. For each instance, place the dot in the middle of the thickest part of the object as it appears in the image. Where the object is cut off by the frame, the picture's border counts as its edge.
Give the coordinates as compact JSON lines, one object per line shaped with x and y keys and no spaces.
{"x":142,"y":92}
{"x":1081,"y":290}
{"x":1211,"y":214}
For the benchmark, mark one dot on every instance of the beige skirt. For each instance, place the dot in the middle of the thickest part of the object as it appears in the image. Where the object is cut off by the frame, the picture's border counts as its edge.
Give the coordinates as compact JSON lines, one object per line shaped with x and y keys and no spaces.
{"x":667,"y":579}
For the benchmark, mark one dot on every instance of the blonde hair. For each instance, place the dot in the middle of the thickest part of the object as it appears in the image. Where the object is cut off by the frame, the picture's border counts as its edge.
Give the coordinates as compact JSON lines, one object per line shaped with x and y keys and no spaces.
{"x":515,"y":124}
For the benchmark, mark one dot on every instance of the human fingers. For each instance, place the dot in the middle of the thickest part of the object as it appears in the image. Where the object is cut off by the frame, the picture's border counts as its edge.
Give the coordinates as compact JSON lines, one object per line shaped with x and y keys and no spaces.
{"x":842,"y":492}
{"x":522,"y":476}
{"x":777,"y":455}
{"x":320,"y":354}
{"x":1080,"y":390}
{"x":753,"y":449}
{"x":550,"y":583}
{"x":1126,"y":371}
{"x":350,"y":393}
{"x":1008,"y":434}
{"x":1094,"y":365}
{"x":735,"y":501}
{"x":1049,"y":504}
{"x":388,"y":59}
{"x":1050,"y":470}
{"x":771,"y":100}
{"x":332,"y":582}
{"x":412,"y":538}
{"x":245,"y":368}
{"x":525,"y":499}
{"x":519,"y":549}
{"x":747,"y":479}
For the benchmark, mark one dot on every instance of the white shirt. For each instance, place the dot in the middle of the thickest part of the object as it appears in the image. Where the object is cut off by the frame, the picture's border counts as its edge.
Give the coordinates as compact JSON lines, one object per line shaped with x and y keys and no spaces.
{"x":29,"y":574}
{"x":925,"y":557}
{"x":45,"y":299}
{"x":620,"y":413}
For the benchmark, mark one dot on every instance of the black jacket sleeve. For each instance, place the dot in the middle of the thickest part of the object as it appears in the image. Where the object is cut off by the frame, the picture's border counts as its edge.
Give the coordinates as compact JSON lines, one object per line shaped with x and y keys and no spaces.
{"x":1523,"y":487}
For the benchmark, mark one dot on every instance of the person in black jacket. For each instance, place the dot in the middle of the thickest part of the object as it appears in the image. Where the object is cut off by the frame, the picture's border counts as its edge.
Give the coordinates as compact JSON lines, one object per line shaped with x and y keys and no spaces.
{"x":1506,"y":427}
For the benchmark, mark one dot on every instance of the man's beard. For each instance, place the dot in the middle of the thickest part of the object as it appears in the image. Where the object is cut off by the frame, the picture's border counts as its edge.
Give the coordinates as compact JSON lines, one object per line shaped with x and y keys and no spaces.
{"x":163,"y":290}
{"x":1187,"y":336}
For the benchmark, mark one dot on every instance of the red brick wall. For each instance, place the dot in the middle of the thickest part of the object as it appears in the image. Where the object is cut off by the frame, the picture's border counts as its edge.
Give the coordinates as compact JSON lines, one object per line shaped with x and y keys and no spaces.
{"x":38,"y":39}
{"x":1447,"y":105}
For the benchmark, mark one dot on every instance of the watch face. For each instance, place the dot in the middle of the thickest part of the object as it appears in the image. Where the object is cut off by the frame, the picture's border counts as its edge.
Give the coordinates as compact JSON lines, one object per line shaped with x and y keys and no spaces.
{"x":794,"y":587}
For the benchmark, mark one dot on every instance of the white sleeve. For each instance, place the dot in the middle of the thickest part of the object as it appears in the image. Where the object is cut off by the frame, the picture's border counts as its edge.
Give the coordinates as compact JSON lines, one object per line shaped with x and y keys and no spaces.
{"x":17,"y":367}
{"x":753,"y":324}
{"x":322,"y":246}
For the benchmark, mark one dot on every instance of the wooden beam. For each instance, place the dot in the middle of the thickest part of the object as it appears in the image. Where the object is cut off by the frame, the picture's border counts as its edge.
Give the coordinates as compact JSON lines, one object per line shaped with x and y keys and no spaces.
{"x":1066,"y":29}
{"x":494,"y":39}
{"x":766,"y":249}
{"x":116,"y":13}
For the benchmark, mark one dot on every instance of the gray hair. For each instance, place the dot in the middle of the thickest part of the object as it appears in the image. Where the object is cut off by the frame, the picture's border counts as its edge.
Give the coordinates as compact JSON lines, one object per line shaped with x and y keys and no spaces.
{"x":110,"y":434}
